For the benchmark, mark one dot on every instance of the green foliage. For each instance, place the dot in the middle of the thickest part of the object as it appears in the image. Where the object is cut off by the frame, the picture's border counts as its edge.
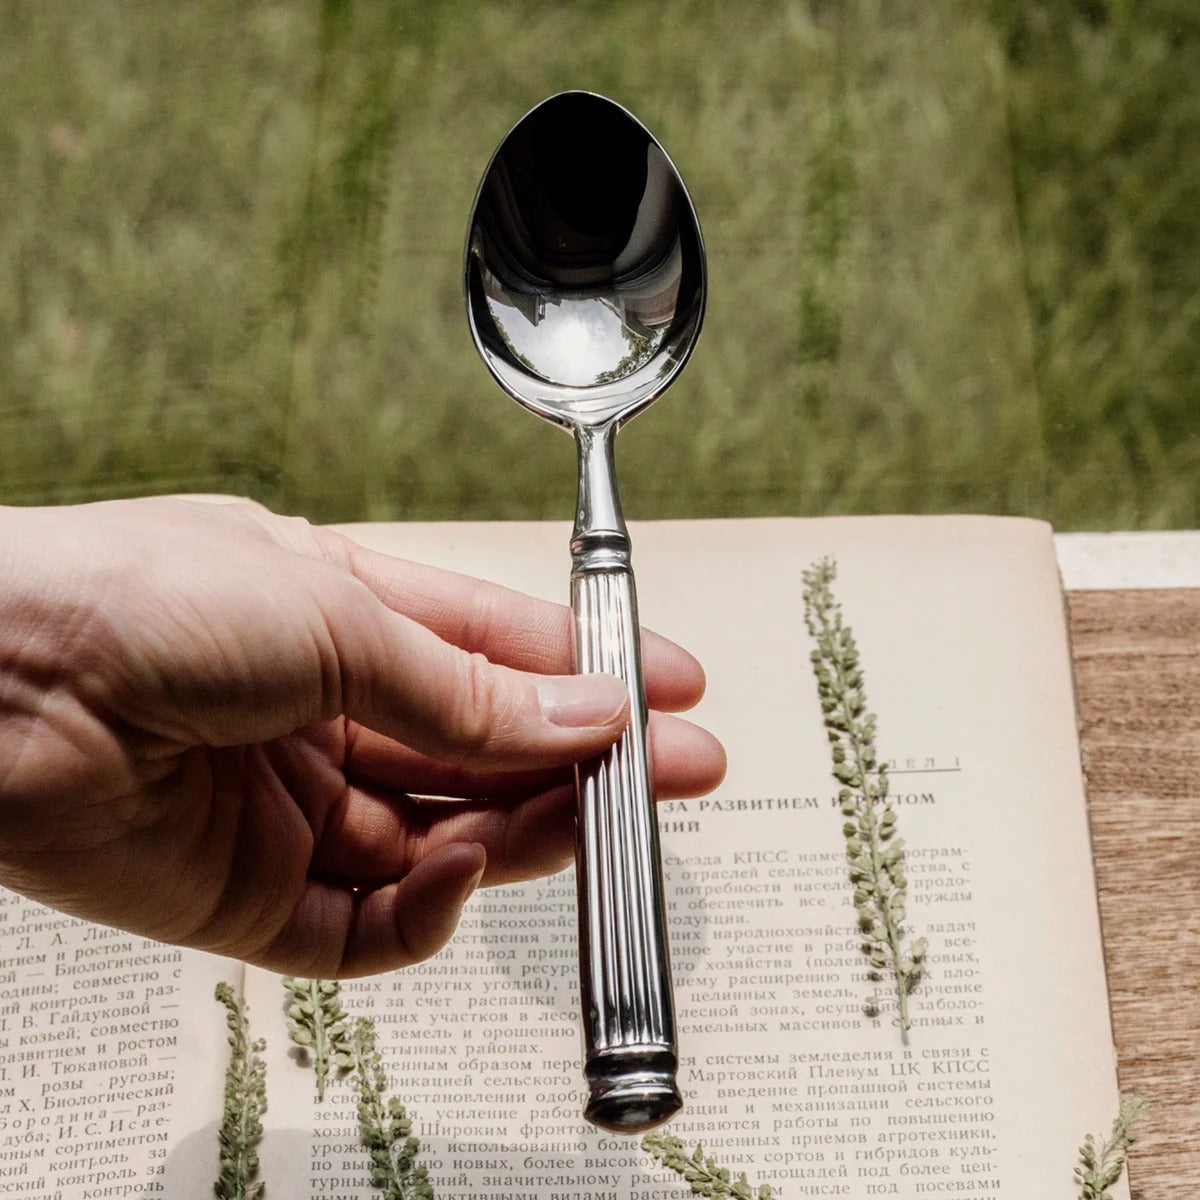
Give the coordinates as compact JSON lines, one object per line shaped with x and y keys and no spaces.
{"x":1104,"y":133}
{"x":702,"y":1174}
{"x":874,"y":852}
{"x":245,"y":1102}
{"x":317,"y":1023}
{"x":952,"y":254}
{"x":384,"y":1124}
{"x":1100,"y":1166}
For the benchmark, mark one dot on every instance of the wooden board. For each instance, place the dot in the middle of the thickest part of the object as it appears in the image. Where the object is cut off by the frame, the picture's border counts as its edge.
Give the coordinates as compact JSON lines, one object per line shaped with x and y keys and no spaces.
{"x":1137,"y":664}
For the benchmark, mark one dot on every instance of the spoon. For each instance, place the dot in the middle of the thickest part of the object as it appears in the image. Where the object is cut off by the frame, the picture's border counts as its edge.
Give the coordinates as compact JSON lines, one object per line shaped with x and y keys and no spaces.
{"x":585,"y":285}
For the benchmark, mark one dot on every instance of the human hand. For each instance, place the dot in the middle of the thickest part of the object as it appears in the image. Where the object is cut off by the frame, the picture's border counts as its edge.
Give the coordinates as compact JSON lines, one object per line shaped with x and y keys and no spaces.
{"x":223,"y":728}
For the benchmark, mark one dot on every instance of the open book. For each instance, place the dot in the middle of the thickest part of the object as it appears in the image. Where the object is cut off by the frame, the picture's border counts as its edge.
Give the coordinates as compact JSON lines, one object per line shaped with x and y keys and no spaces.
{"x":113,"y":1050}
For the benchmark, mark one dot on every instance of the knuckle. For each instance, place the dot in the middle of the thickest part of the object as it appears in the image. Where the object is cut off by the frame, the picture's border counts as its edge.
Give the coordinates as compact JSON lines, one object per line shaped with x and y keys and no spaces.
{"x":332,"y":546}
{"x":476,"y":720}
{"x":479,"y":617}
{"x":297,"y":533}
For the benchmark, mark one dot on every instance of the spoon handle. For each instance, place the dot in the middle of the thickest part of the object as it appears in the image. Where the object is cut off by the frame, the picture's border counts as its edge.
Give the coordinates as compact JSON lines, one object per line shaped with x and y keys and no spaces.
{"x":628,"y":1008}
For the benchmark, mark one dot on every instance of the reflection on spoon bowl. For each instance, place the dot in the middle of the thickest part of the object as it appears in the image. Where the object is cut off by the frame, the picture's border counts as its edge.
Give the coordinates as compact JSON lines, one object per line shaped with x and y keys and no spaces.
{"x":585,"y":271}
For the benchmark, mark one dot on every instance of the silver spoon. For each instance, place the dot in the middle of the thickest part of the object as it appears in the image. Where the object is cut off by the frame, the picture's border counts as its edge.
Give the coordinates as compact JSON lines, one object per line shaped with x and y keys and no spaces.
{"x":585,"y":285}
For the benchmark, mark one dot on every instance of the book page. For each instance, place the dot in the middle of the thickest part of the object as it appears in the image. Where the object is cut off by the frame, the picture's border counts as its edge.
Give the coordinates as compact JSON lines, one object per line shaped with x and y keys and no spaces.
{"x":794,"y":1068}
{"x":111,"y":1058}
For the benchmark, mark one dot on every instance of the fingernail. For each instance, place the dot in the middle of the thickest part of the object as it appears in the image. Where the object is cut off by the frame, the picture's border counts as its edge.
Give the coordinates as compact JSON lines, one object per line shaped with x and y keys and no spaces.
{"x":581,"y":700}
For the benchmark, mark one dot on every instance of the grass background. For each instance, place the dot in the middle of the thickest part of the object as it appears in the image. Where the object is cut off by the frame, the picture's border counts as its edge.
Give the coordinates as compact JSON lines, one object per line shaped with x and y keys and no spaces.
{"x":954,"y":250}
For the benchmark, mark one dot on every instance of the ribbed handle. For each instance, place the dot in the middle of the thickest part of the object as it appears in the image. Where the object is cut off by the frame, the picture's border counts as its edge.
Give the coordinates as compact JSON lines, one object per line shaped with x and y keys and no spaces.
{"x":628,"y":1009}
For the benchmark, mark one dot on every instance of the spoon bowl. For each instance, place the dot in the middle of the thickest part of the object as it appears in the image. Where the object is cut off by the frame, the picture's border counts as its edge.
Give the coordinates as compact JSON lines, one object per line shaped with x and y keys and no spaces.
{"x":585,"y":269}
{"x":585,"y":283}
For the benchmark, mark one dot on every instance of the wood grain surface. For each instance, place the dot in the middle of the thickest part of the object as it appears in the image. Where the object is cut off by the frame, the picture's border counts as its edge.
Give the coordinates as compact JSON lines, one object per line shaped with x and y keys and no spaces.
{"x":1137,"y":668}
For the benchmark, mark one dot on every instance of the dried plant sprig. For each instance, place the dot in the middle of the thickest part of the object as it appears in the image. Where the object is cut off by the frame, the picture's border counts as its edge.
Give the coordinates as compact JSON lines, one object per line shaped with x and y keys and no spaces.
{"x":701,"y":1173}
{"x":245,"y":1102}
{"x":317,"y":1023}
{"x":875,"y":854}
{"x":1100,"y":1166}
{"x":384,"y":1124}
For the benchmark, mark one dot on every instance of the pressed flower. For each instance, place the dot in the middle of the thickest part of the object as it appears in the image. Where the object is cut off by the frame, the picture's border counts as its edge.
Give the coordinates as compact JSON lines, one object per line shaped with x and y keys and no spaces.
{"x":701,"y":1173}
{"x":1100,"y":1166}
{"x":875,"y":855}
{"x":245,"y":1102}
{"x":318,"y":1025}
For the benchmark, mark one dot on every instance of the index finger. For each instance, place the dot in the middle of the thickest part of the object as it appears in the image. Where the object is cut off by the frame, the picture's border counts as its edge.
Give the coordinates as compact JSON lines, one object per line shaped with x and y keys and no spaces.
{"x":507,"y":626}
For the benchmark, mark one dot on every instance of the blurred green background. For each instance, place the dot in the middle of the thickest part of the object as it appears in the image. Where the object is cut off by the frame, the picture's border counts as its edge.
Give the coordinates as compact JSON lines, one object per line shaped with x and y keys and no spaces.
{"x":954,"y":248}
